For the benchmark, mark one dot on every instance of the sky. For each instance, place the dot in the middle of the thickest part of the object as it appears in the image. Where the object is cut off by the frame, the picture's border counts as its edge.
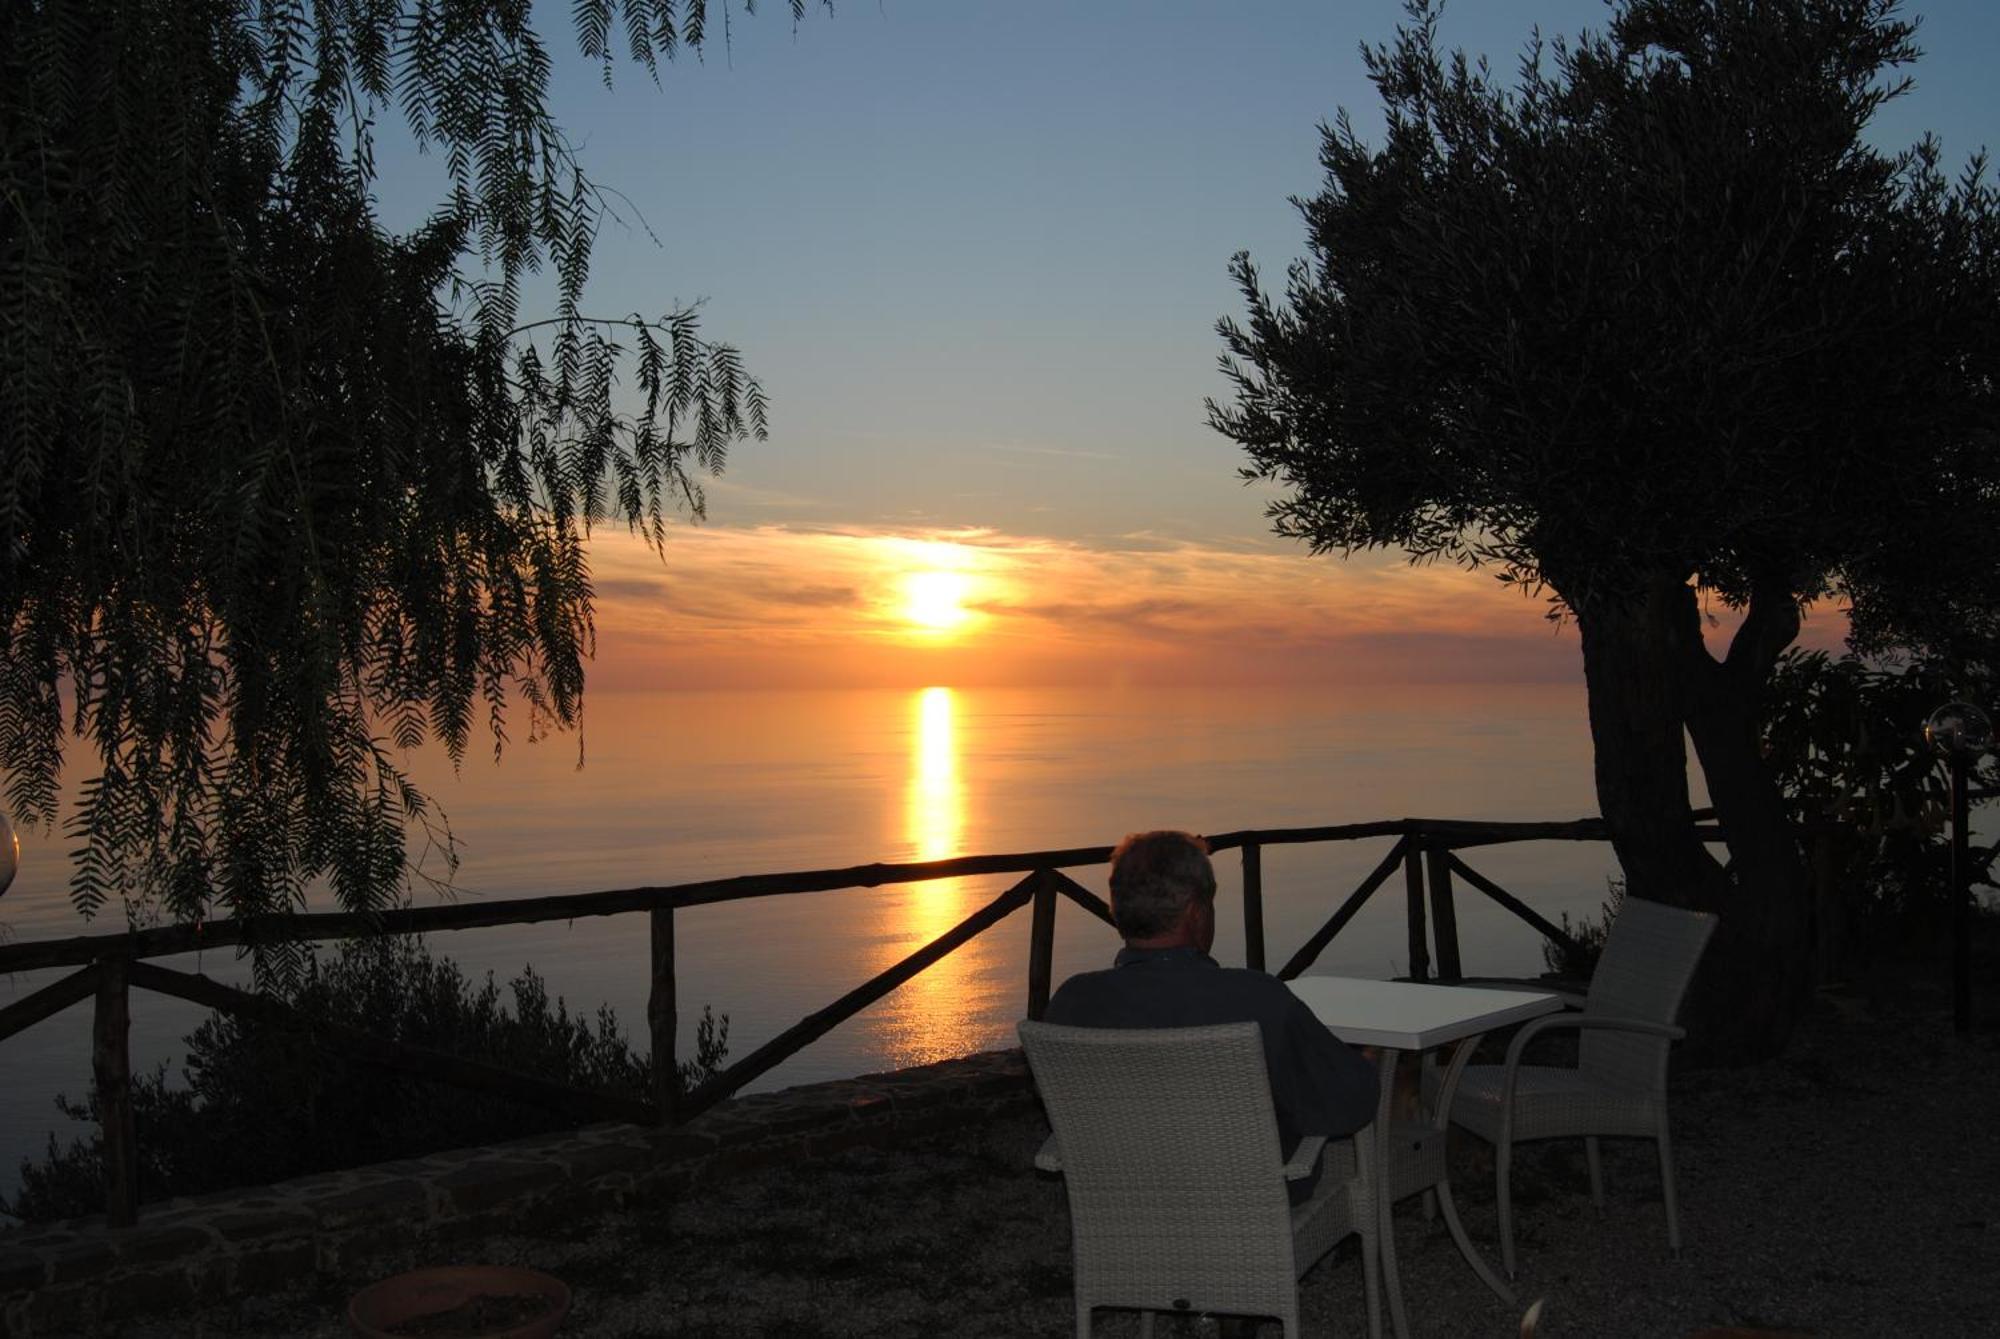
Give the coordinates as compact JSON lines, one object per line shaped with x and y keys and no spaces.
{"x":975,"y":252}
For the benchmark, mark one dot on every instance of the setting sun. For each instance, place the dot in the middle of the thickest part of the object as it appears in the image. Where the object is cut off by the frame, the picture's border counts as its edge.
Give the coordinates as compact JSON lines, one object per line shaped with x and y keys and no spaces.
{"x":935,"y":600}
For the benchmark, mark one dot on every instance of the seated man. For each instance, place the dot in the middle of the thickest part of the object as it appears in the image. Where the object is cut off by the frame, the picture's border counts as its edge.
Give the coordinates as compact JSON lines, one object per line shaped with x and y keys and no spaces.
{"x":1163,"y":899}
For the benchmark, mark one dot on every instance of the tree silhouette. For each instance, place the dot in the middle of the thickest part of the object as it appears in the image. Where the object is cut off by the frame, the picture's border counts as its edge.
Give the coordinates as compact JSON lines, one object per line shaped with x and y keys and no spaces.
{"x":283,"y":492}
{"x":1652,"y":328}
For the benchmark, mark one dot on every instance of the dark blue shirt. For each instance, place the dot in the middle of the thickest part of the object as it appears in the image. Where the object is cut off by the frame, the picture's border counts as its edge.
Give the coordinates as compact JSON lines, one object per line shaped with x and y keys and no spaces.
{"x":1319,"y":1084}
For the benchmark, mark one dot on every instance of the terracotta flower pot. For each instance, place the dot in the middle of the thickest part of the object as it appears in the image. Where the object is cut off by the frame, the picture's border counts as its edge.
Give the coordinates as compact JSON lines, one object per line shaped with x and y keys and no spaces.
{"x":461,"y":1302}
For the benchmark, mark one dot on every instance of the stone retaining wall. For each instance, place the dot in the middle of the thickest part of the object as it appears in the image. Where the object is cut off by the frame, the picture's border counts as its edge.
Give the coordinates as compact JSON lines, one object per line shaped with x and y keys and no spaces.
{"x":81,"y":1275}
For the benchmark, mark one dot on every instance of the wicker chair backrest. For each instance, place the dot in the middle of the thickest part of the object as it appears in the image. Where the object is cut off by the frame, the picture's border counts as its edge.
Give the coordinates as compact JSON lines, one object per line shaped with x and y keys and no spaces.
{"x":1644,"y":972}
{"x":1170,"y":1153}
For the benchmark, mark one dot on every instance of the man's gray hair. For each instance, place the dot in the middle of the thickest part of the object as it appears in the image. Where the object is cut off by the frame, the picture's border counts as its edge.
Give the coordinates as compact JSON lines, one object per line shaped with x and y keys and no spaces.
{"x":1154,"y":875}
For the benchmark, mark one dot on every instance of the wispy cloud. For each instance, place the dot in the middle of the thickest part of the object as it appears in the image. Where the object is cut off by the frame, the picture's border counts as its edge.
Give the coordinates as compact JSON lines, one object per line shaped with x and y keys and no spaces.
{"x":1064,"y":453}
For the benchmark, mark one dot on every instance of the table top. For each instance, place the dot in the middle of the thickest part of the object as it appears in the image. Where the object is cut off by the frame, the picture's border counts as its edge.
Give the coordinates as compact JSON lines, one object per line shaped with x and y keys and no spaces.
{"x":1410,"y":1016}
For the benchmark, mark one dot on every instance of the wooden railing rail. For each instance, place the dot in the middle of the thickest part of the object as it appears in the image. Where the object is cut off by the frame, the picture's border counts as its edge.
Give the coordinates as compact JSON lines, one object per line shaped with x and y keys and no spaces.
{"x":167,"y":941}
{"x":110,"y":965}
{"x":816,"y":1025}
{"x":1083,"y":897}
{"x":1455,"y":831}
{"x":49,"y":1000}
{"x":1345,"y":912}
{"x":1511,"y":902}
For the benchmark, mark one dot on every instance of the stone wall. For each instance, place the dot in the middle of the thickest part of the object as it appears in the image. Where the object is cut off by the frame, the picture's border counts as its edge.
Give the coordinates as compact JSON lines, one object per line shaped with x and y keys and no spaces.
{"x":81,"y":1275}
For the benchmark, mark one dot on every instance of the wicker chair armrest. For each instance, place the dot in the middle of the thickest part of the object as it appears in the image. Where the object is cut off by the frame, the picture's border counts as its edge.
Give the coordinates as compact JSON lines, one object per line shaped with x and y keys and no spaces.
{"x":1612,"y":1022}
{"x":1304,"y":1158}
{"x":1048,"y":1158}
{"x":1606,"y":1022}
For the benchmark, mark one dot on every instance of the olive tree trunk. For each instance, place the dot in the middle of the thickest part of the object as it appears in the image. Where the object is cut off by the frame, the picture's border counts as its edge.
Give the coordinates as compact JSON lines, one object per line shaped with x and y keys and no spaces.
{"x":1759,"y":968}
{"x":1652,"y":686}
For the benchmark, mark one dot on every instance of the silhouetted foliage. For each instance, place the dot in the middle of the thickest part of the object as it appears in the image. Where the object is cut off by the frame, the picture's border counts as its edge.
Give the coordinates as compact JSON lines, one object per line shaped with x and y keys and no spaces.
{"x":280,"y":492}
{"x":1577,"y":960}
{"x":1654,"y":327}
{"x":258,"y":1106}
{"x":1846,"y":739}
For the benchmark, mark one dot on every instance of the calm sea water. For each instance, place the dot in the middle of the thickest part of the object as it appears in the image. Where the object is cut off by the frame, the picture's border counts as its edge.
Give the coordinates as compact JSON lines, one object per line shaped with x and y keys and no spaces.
{"x":688,"y":786}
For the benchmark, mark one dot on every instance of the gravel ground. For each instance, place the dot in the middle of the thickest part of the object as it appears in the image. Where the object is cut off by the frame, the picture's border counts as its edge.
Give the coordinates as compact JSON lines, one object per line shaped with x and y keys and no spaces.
{"x":1851,"y":1189}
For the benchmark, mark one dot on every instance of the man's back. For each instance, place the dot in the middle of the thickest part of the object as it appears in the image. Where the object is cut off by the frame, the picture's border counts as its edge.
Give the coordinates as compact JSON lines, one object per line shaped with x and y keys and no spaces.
{"x":1319,"y":1085}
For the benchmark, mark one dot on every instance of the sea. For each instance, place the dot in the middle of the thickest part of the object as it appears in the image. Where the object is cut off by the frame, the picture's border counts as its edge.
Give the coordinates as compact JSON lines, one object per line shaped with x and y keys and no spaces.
{"x":672,"y":787}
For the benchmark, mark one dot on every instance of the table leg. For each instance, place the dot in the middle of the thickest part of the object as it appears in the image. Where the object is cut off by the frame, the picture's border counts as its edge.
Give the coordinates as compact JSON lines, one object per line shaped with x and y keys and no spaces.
{"x":1441,"y":1118}
{"x":1385,"y":1223}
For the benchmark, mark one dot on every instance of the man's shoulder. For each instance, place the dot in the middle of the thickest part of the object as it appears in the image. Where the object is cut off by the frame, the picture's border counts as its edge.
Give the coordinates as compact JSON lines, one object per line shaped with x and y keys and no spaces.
{"x":1253,"y":981}
{"x":1088,"y":980}
{"x":1264,"y":979}
{"x":1085,"y":985}
{"x":1239,"y":990}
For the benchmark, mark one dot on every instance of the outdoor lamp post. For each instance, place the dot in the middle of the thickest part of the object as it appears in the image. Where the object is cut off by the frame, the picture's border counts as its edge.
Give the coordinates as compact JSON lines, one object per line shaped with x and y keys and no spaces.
{"x":1959,"y":732}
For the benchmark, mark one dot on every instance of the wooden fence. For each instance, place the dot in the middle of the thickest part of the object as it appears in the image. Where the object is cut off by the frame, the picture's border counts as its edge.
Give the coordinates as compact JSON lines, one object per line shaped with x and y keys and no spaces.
{"x":111,"y":965}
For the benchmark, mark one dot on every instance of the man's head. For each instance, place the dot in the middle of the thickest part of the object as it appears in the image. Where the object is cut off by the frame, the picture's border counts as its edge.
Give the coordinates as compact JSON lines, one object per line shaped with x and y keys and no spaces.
{"x":1163,"y":890}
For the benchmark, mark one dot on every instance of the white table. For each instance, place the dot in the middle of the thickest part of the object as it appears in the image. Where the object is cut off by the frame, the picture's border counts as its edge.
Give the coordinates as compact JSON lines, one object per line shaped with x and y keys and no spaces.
{"x":1398,"y":1016}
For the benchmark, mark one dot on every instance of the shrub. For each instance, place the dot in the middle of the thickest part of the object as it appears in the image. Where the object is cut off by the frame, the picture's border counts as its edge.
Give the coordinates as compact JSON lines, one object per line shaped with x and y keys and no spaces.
{"x":1845,"y":740}
{"x":1577,"y":961}
{"x":262,"y":1104}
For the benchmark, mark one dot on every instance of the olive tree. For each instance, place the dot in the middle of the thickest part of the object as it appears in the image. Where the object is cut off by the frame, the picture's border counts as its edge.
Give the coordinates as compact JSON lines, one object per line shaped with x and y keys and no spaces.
{"x":1651,"y":331}
{"x":283,"y":492}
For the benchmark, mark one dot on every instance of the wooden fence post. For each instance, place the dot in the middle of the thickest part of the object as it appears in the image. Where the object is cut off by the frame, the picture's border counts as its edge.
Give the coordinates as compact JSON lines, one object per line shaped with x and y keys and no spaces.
{"x":1444,"y":915}
{"x":1041,"y":944}
{"x":1413,"y":885}
{"x":111,"y":1068}
{"x":1253,"y":906}
{"x":662,"y":1019}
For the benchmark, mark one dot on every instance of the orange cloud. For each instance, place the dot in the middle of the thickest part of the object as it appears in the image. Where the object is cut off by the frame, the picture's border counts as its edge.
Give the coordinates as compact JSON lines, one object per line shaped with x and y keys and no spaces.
{"x":794,"y":606}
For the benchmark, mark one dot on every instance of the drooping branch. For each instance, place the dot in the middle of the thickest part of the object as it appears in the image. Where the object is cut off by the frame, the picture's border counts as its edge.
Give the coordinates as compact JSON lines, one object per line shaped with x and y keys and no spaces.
{"x":279,"y":493}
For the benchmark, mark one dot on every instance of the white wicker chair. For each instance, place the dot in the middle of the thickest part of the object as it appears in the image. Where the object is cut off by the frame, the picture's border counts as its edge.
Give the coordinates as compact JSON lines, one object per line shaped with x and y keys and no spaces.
{"x":1169,"y":1147}
{"x":1619,"y":1085}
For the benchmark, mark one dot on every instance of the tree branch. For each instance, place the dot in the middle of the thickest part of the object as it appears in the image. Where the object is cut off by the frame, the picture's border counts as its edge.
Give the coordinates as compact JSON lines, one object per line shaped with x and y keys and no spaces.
{"x":1769,"y":626}
{"x":628,"y":322}
{"x":1689,"y":647}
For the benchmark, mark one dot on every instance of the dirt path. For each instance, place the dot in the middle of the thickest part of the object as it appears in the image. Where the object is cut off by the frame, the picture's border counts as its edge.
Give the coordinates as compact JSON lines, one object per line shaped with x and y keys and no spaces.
{"x":1850,"y":1189}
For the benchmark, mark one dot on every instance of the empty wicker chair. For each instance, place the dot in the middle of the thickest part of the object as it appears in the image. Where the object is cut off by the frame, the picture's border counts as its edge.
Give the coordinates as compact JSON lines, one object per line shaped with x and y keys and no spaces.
{"x":1169,"y":1147}
{"x":1619,"y":1085}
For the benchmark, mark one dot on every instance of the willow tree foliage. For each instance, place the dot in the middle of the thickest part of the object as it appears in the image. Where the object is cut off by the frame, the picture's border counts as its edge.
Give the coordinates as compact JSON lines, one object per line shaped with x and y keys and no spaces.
{"x":1656,"y":332}
{"x":285,"y":493}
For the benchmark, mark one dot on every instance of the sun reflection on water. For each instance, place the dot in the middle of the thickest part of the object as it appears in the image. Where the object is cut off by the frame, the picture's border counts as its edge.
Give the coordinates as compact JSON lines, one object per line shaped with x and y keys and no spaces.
{"x":936,"y":805}
{"x":937,"y":1013}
